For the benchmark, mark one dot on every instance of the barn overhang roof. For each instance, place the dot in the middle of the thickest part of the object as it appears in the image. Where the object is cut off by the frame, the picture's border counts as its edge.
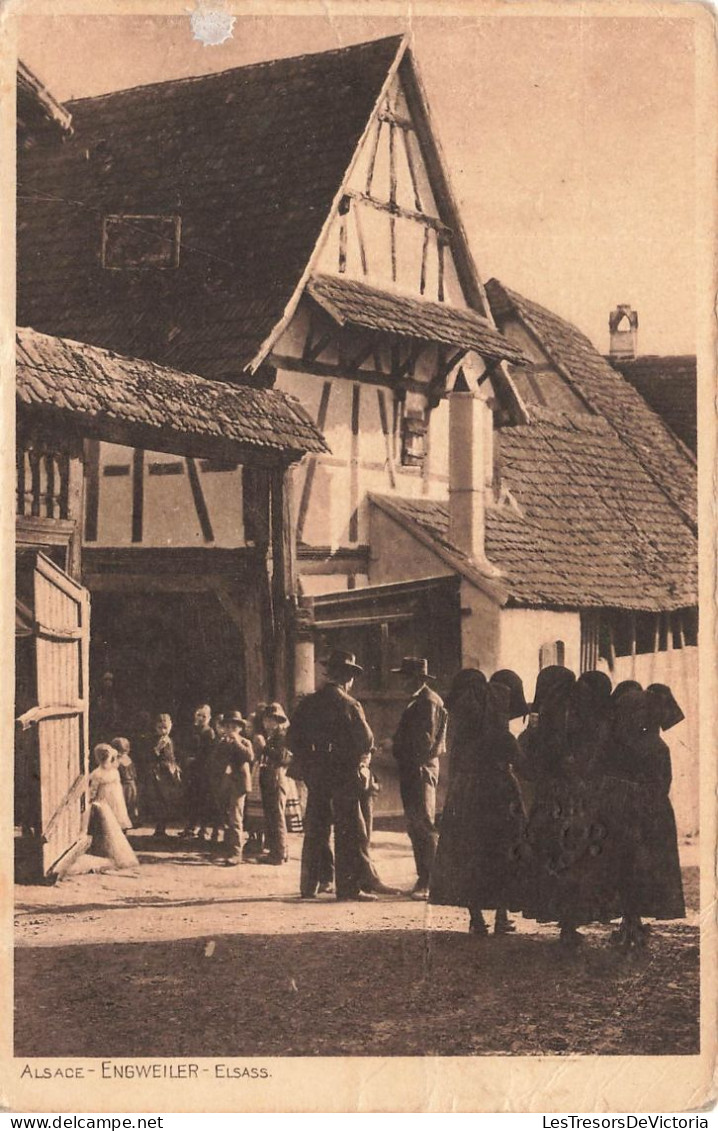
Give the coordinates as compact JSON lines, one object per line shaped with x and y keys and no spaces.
{"x":353,"y":303}
{"x":139,"y":403}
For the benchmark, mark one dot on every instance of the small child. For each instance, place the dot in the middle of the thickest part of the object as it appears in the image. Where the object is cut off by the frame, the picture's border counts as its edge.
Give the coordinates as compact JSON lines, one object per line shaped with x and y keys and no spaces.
{"x":233,"y":755}
{"x":273,"y":781}
{"x":164,"y":772}
{"x":254,"y":822}
{"x":105,"y":784}
{"x":128,"y":777}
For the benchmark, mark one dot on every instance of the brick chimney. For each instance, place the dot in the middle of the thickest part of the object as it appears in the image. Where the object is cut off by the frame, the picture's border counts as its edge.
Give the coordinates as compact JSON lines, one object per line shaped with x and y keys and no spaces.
{"x":469,"y":423}
{"x":623,"y":328}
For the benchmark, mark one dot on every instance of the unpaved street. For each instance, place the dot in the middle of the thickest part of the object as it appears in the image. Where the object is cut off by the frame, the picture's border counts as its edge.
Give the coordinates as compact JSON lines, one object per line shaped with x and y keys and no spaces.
{"x":119,"y":965}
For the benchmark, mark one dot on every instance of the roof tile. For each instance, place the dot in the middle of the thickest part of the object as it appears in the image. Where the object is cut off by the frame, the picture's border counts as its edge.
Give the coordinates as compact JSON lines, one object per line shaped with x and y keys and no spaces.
{"x":99,"y":385}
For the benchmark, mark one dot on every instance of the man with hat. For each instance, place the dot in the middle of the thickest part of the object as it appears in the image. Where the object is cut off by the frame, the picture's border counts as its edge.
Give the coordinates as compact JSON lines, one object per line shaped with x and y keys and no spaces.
{"x":232,"y":757}
{"x":330,"y":737}
{"x":418,"y":742}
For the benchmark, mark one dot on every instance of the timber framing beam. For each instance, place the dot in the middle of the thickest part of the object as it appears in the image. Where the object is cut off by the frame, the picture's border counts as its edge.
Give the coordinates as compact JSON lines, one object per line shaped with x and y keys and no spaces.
{"x":136,"y":435}
{"x":395,"y":209}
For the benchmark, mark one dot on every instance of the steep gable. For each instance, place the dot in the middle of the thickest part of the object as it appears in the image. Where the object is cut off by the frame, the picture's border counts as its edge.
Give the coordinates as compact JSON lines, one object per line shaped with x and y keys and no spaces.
{"x":250,"y":160}
{"x":605,"y":393}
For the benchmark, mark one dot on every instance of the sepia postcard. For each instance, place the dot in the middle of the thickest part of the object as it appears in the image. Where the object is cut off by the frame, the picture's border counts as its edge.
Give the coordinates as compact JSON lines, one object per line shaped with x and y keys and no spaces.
{"x":361,"y":521}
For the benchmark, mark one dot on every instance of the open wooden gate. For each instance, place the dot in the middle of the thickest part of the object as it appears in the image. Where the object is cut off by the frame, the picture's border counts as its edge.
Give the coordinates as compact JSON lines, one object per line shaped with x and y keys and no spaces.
{"x":61,"y":627}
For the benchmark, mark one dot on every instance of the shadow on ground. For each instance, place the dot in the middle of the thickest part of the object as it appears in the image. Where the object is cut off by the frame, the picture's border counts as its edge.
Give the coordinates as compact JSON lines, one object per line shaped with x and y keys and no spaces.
{"x":379,"y":993}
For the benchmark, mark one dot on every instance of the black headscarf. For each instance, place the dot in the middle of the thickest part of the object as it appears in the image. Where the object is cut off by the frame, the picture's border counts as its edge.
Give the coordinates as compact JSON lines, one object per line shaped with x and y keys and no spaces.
{"x":590,"y":698}
{"x":553,"y":684}
{"x":663,"y":706}
{"x":516,"y":705}
{"x":622,"y":688}
{"x":554,"y":689}
{"x":468,"y":685}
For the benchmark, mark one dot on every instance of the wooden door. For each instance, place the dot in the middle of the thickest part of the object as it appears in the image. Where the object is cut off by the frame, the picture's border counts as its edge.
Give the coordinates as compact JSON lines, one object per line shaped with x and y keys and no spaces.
{"x":62,"y":633}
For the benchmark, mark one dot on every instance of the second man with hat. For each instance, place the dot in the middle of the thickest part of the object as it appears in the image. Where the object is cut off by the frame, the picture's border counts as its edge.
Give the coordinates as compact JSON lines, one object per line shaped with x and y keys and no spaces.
{"x":419,"y":741}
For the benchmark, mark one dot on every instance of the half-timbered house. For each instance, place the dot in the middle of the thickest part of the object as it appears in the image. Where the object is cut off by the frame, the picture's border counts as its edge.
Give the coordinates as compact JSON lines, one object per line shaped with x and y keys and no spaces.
{"x":181,"y":613}
{"x":494,"y":492}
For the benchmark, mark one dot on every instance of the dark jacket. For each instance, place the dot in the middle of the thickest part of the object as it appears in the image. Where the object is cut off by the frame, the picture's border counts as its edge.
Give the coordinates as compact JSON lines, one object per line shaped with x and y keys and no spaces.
{"x":421,"y":735}
{"x":329,"y":736}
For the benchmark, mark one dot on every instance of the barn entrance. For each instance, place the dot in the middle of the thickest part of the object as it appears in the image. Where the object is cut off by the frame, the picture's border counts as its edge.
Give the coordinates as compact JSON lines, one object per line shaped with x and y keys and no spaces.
{"x":166,"y":652}
{"x":51,"y":701}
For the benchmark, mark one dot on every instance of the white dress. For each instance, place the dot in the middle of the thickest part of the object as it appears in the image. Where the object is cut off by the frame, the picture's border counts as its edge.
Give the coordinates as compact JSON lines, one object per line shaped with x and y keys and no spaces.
{"x":105,"y":785}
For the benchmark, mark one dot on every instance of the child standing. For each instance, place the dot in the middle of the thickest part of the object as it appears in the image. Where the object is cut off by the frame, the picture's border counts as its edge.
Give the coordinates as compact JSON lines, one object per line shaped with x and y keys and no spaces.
{"x":164,"y":773}
{"x":273,"y":782}
{"x":105,"y":784}
{"x":254,"y":822}
{"x":233,"y":752}
{"x":128,"y":778}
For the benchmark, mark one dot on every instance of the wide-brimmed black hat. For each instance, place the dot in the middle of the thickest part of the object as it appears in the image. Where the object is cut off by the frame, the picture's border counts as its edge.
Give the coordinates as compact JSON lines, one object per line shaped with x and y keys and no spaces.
{"x":342,"y":663}
{"x":414,"y":665}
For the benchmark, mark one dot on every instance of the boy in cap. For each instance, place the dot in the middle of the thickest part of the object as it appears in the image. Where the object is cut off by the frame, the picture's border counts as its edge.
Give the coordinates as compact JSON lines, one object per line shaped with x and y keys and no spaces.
{"x":234,"y":752}
{"x":273,"y":782}
{"x":418,"y":742}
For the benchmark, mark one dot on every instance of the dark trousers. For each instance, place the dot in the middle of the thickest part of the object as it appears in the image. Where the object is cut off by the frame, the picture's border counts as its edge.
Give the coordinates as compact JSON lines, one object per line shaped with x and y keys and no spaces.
{"x":418,"y":795}
{"x":272,"y":782}
{"x":354,"y":868}
{"x":199,"y":806}
{"x":235,"y":801}
{"x":317,"y":857}
{"x":366,"y":802}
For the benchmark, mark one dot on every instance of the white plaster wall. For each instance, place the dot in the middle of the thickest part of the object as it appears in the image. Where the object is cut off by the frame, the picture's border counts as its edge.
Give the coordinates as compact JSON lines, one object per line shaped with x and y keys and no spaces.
{"x":523,"y":631}
{"x":396,"y":556}
{"x":169,"y":513}
{"x":480,"y":629}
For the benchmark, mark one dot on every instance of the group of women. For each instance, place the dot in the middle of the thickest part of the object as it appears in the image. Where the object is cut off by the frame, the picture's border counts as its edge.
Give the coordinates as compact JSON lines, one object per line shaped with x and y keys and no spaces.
{"x":570,"y":822}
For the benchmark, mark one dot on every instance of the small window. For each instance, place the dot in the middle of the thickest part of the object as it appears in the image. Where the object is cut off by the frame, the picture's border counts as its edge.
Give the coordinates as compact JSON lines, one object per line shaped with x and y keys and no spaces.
{"x":413,"y":441}
{"x":553,"y":652}
{"x":132,"y":242}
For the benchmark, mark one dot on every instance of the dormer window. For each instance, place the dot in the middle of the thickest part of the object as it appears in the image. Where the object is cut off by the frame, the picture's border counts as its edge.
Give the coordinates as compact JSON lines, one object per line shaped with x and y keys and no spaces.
{"x":132,"y":242}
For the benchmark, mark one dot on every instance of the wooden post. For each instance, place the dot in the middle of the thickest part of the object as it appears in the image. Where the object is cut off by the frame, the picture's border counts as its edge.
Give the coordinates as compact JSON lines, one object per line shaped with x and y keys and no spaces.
{"x":611,"y":648}
{"x":354,"y":467}
{"x":75,"y":506}
{"x":92,"y":487}
{"x":138,"y":493}
{"x":283,"y":567}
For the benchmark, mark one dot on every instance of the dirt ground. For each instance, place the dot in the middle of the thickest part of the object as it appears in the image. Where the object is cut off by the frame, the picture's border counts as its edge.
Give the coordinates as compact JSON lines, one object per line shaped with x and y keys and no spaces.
{"x":189,"y":958}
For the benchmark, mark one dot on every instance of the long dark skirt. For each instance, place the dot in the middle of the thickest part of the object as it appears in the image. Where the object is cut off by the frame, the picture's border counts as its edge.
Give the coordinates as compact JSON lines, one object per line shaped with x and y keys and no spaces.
{"x":567,"y":834}
{"x":642,"y":850}
{"x":480,"y":859}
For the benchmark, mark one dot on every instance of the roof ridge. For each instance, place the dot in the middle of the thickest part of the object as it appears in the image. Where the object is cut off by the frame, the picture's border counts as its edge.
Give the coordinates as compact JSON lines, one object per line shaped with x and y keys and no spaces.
{"x":588,"y":386}
{"x":186,"y":80}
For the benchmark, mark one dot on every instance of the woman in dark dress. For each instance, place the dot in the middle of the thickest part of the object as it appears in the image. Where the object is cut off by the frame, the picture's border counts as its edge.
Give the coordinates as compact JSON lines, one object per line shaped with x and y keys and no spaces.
{"x":479,"y":859}
{"x":644,"y":859}
{"x":563,"y":753}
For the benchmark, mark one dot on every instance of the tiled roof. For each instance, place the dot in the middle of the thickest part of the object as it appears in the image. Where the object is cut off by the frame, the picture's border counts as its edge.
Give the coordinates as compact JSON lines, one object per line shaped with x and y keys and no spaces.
{"x":608,"y":395}
{"x":103,"y":390}
{"x":668,"y":384}
{"x":252,"y":158}
{"x":356,"y":303}
{"x":38,"y":111}
{"x":588,"y":526}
